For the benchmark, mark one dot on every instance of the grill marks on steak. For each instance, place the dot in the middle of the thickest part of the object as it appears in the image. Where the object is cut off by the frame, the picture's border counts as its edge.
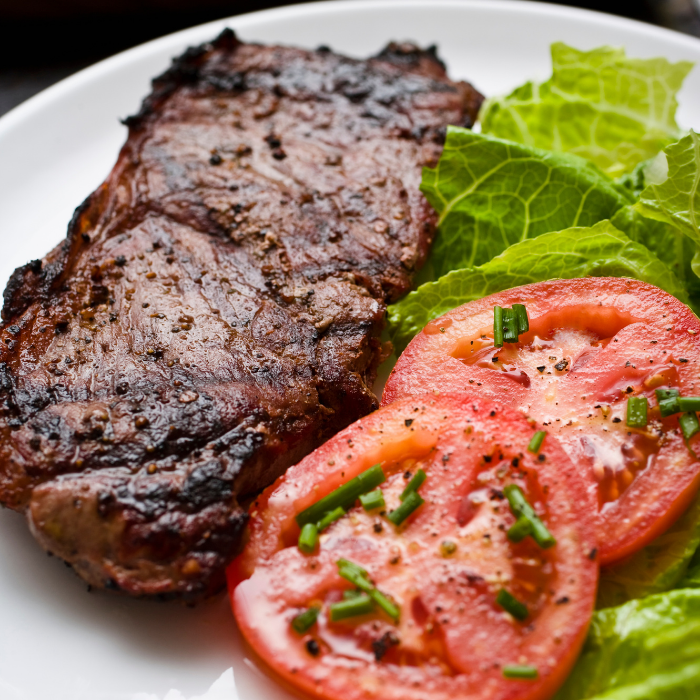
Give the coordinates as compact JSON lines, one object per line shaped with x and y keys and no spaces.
{"x":214,"y":313}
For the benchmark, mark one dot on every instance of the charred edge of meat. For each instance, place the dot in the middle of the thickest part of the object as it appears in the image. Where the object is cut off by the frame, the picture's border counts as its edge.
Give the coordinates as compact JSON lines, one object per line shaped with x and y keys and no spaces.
{"x":185,"y":69}
{"x":408,"y":55}
{"x":35,"y":281}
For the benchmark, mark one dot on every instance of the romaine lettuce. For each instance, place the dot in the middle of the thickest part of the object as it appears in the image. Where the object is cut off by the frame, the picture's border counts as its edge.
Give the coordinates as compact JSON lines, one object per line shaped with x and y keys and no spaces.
{"x":644,"y":650}
{"x":598,"y":251}
{"x":492,"y":193}
{"x":658,"y":567}
{"x":615,"y":111}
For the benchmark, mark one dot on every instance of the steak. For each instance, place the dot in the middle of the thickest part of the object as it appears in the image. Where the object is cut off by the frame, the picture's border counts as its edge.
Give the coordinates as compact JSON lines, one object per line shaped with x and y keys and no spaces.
{"x":215,"y":311}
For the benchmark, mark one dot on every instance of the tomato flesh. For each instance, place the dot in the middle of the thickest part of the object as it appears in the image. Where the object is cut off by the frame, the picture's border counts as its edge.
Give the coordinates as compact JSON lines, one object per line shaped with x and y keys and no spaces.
{"x":592,"y":344}
{"x":443,"y":567}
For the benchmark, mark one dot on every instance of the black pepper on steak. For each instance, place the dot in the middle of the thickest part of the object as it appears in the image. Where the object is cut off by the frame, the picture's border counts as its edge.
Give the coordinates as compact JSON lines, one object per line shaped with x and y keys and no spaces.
{"x":214,"y":312}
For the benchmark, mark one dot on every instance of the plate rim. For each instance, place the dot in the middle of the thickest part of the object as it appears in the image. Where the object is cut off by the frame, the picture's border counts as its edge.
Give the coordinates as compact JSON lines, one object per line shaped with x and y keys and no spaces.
{"x":43,"y":99}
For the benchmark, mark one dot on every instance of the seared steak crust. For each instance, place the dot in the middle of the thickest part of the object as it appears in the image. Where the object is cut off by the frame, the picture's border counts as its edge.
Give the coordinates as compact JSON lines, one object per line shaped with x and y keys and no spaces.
{"x":214,"y":313}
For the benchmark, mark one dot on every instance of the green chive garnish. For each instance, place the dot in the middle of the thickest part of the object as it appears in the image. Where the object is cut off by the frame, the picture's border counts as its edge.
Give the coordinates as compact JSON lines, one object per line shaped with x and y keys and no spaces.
{"x":668,"y":401}
{"x":662,"y":394}
{"x":512,"y":605}
{"x":385,"y":604}
{"x":410,"y":503}
{"x":689,"y":403}
{"x":497,"y":327}
{"x":522,"y":509}
{"x":510,"y":326}
{"x":519,"y":530}
{"x":414,"y":484}
{"x":372,"y":500}
{"x":360,"y":578}
{"x":521,"y":316}
{"x":308,"y":538}
{"x":536,"y":442}
{"x":689,"y":424}
{"x":637,"y":411}
{"x":360,"y":605}
{"x":351,"y":594}
{"x":344,"y":496}
{"x":669,"y":407}
{"x":527,"y":673}
{"x":304,"y":621}
{"x":328,"y":518}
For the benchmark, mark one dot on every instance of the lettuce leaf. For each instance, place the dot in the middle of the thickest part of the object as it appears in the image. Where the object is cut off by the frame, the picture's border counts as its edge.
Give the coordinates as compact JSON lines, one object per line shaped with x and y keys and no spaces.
{"x":615,"y":111}
{"x":598,"y":251}
{"x":492,"y":193}
{"x":668,"y":243}
{"x":644,"y":650}
{"x":692,"y":575}
{"x":659,"y":567}
{"x":674,"y":197}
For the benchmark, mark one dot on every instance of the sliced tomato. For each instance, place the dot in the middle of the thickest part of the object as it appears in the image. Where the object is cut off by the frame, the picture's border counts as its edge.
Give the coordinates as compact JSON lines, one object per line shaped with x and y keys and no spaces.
{"x":592,"y":344}
{"x":443,"y":567}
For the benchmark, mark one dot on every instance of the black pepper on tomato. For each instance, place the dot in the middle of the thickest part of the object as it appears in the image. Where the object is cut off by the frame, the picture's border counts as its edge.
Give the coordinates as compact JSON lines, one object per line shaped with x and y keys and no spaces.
{"x":598,"y":367}
{"x":483,"y":587}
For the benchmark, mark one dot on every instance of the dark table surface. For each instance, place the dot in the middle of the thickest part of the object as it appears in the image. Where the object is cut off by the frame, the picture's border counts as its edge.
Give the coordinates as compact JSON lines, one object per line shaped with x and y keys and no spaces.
{"x":43,"y":41}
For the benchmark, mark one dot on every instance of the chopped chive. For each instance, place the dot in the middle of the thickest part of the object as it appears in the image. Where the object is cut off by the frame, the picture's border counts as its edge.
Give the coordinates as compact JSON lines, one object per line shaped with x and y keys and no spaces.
{"x":372,"y":500}
{"x":308,"y":538}
{"x":689,"y":403}
{"x":410,"y":503}
{"x":360,"y":605}
{"x":522,"y":509}
{"x":359,"y":577}
{"x":385,"y":604}
{"x":536,"y":442}
{"x":668,"y":401}
{"x":663,"y":394}
{"x":510,"y":326}
{"x":689,"y":424}
{"x":355,"y":574}
{"x":519,"y":530}
{"x":521,"y":316}
{"x":352,"y":593}
{"x":512,"y":605}
{"x":414,"y":484}
{"x":330,"y":517}
{"x":521,"y":672}
{"x":637,"y":411}
{"x":344,"y":496}
{"x":497,"y":327}
{"x":669,"y":406}
{"x":304,"y":621}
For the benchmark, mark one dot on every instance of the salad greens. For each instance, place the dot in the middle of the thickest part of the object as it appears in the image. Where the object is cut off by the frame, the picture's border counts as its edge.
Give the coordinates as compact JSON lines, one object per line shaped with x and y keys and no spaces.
{"x":662,"y":565}
{"x":672,"y":195}
{"x":613,"y":110}
{"x":644,"y":650}
{"x":598,"y":251}
{"x":534,"y":197}
{"x":492,"y":193}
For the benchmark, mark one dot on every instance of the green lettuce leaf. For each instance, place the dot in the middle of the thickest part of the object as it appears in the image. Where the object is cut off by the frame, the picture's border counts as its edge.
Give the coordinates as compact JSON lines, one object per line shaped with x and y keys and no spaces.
{"x":674,"y":196}
{"x":615,"y":111}
{"x":668,"y":243}
{"x":658,"y":567}
{"x":644,"y":650}
{"x":598,"y":251}
{"x":692,"y":575}
{"x":492,"y":193}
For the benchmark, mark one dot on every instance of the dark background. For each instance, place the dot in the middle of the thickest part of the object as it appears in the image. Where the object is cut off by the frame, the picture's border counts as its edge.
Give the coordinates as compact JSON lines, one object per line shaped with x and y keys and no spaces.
{"x":42,"y":41}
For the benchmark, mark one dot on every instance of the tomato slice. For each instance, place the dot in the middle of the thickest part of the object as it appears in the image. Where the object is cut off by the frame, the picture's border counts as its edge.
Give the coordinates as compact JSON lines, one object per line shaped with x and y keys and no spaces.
{"x":592,"y":344}
{"x":443,"y":567}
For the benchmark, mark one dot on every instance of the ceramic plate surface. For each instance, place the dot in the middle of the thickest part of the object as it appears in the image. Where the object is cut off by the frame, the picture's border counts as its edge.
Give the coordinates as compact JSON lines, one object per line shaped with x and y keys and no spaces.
{"x":57,"y":641}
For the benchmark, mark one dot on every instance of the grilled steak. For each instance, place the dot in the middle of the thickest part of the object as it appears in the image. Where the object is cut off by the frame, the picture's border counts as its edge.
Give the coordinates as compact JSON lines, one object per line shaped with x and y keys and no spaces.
{"x":214,"y":313}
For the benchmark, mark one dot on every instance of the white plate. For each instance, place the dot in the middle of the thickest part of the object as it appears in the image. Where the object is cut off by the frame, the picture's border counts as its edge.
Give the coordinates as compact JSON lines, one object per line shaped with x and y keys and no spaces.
{"x":57,"y":641}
